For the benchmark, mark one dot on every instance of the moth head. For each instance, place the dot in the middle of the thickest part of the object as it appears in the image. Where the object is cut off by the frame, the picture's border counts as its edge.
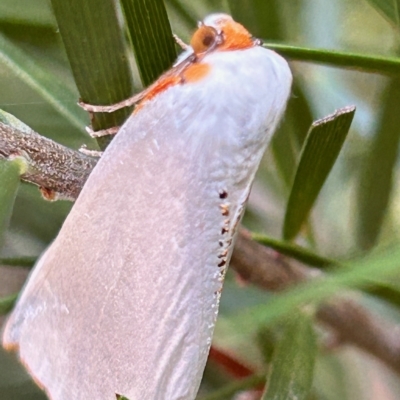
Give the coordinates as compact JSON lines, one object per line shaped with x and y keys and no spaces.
{"x":221,"y":32}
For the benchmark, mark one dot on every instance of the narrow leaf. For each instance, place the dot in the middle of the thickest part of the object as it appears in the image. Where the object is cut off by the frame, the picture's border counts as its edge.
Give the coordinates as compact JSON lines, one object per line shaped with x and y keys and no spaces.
{"x":322,"y":146}
{"x":261,"y":17}
{"x":26,"y":12}
{"x":120,"y":397}
{"x":383,"y":291}
{"x":98,"y":56}
{"x":19,"y":261}
{"x":151,"y":37}
{"x":390,"y":9}
{"x":386,"y":292}
{"x":358,"y":62}
{"x":9,"y":120}
{"x":376,"y":179}
{"x":10,"y":172}
{"x":183,"y":12}
{"x":292,"y":367}
{"x":295,"y":251}
{"x":45,"y":83}
{"x":287,"y":141}
{"x":7,"y":303}
{"x":357,"y":274}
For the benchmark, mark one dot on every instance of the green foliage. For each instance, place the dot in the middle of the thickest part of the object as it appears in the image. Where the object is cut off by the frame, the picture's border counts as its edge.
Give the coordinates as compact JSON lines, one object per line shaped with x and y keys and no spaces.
{"x":49,"y":57}
{"x":323,"y":144}
{"x":7,"y":303}
{"x":151,"y":37}
{"x":292,"y":367}
{"x":376,"y":180}
{"x":45,"y":83}
{"x":292,"y":250}
{"x":390,"y":9}
{"x":10,"y":172}
{"x":92,"y":35}
{"x":381,"y":65}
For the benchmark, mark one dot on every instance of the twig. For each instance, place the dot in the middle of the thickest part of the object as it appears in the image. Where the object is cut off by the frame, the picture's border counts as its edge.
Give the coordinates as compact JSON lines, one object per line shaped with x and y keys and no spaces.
{"x":264,"y":267}
{"x":60,"y":171}
{"x":351,"y":322}
{"x":64,"y":171}
{"x":369,"y":332}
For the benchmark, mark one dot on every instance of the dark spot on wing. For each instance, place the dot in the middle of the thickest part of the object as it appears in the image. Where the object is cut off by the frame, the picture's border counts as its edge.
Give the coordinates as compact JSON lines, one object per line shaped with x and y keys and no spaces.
{"x":223,"y":194}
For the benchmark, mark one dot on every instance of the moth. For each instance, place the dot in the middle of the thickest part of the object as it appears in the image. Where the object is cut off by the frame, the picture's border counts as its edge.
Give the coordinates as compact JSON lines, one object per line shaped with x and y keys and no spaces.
{"x":125,"y":299}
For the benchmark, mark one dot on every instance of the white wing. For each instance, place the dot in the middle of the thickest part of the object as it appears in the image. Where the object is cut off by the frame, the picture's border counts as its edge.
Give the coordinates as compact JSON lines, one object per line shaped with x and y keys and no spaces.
{"x":125,"y":299}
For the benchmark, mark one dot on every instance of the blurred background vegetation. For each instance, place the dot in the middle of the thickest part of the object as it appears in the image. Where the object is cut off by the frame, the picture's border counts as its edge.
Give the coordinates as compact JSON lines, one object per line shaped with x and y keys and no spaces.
{"x":357,"y":211}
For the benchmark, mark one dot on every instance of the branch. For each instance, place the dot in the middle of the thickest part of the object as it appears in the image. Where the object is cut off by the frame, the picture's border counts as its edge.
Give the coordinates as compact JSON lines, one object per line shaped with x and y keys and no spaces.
{"x":63,"y":171}
{"x":59,"y":171}
{"x":351,"y":322}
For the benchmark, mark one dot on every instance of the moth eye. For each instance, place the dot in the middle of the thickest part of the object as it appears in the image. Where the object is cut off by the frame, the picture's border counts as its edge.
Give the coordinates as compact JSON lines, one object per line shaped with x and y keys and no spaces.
{"x":203,"y":39}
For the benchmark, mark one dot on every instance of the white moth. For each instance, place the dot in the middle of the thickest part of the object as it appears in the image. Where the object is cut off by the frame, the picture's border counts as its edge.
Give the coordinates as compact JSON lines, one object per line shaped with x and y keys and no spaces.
{"x":125,"y":299}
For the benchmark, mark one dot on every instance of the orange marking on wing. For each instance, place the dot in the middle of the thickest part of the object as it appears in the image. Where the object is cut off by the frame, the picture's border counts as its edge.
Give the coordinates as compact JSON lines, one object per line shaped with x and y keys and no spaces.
{"x":158,"y":87}
{"x":196,"y":72}
{"x":161,"y":85}
{"x":11,"y":347}
{"x":236,"y":37}
{"x":14,"y":347}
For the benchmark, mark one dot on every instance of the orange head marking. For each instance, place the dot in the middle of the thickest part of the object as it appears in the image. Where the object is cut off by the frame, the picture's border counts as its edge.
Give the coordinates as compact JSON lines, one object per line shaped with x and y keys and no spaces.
{"x":204,"y":39}
{"x":230,"y":35}
{"x":216,"y":32}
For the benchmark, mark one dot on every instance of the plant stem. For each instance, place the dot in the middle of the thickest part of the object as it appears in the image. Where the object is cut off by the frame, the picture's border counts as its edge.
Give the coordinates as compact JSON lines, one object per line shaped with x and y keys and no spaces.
{"x":359,"y":62}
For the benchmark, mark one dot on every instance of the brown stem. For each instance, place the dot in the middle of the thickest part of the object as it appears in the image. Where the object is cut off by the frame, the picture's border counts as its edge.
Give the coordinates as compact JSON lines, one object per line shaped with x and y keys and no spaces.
{"x":58,"y":170}
{"x":369,"y":332}
{"x":351,"y":322}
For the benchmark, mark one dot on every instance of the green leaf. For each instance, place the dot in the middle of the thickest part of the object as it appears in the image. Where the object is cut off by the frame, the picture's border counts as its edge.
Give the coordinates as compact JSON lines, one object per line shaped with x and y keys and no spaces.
{"x":9,"y":120}
{"x":322,"y":146}
{"x":376,"y":181}
{"x":295,"y":251}
{"x":98,"y":56}
{"x":19,"y":261}
{"x":260,"y":17}
{"x":386,"y":292}
{"x":7,"y":303}
{"x":383,"y":291}
{"x":357,"y":274}
{"x":45,"y":83}
{"x":287,"y":141}
{"x":292,"y":368}
{"x":151,"y":37}
{"x":26,"y":12}
{"x":390,"y":9}
{"x":184,"y":13}
{"x":358,"y":62}
{"x":10,"y":172}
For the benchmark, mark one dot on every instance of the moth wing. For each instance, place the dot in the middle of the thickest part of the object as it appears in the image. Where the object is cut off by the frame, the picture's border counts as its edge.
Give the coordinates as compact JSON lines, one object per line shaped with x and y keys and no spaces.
{"x":127,"y":287}
{"x":125,"y":299}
